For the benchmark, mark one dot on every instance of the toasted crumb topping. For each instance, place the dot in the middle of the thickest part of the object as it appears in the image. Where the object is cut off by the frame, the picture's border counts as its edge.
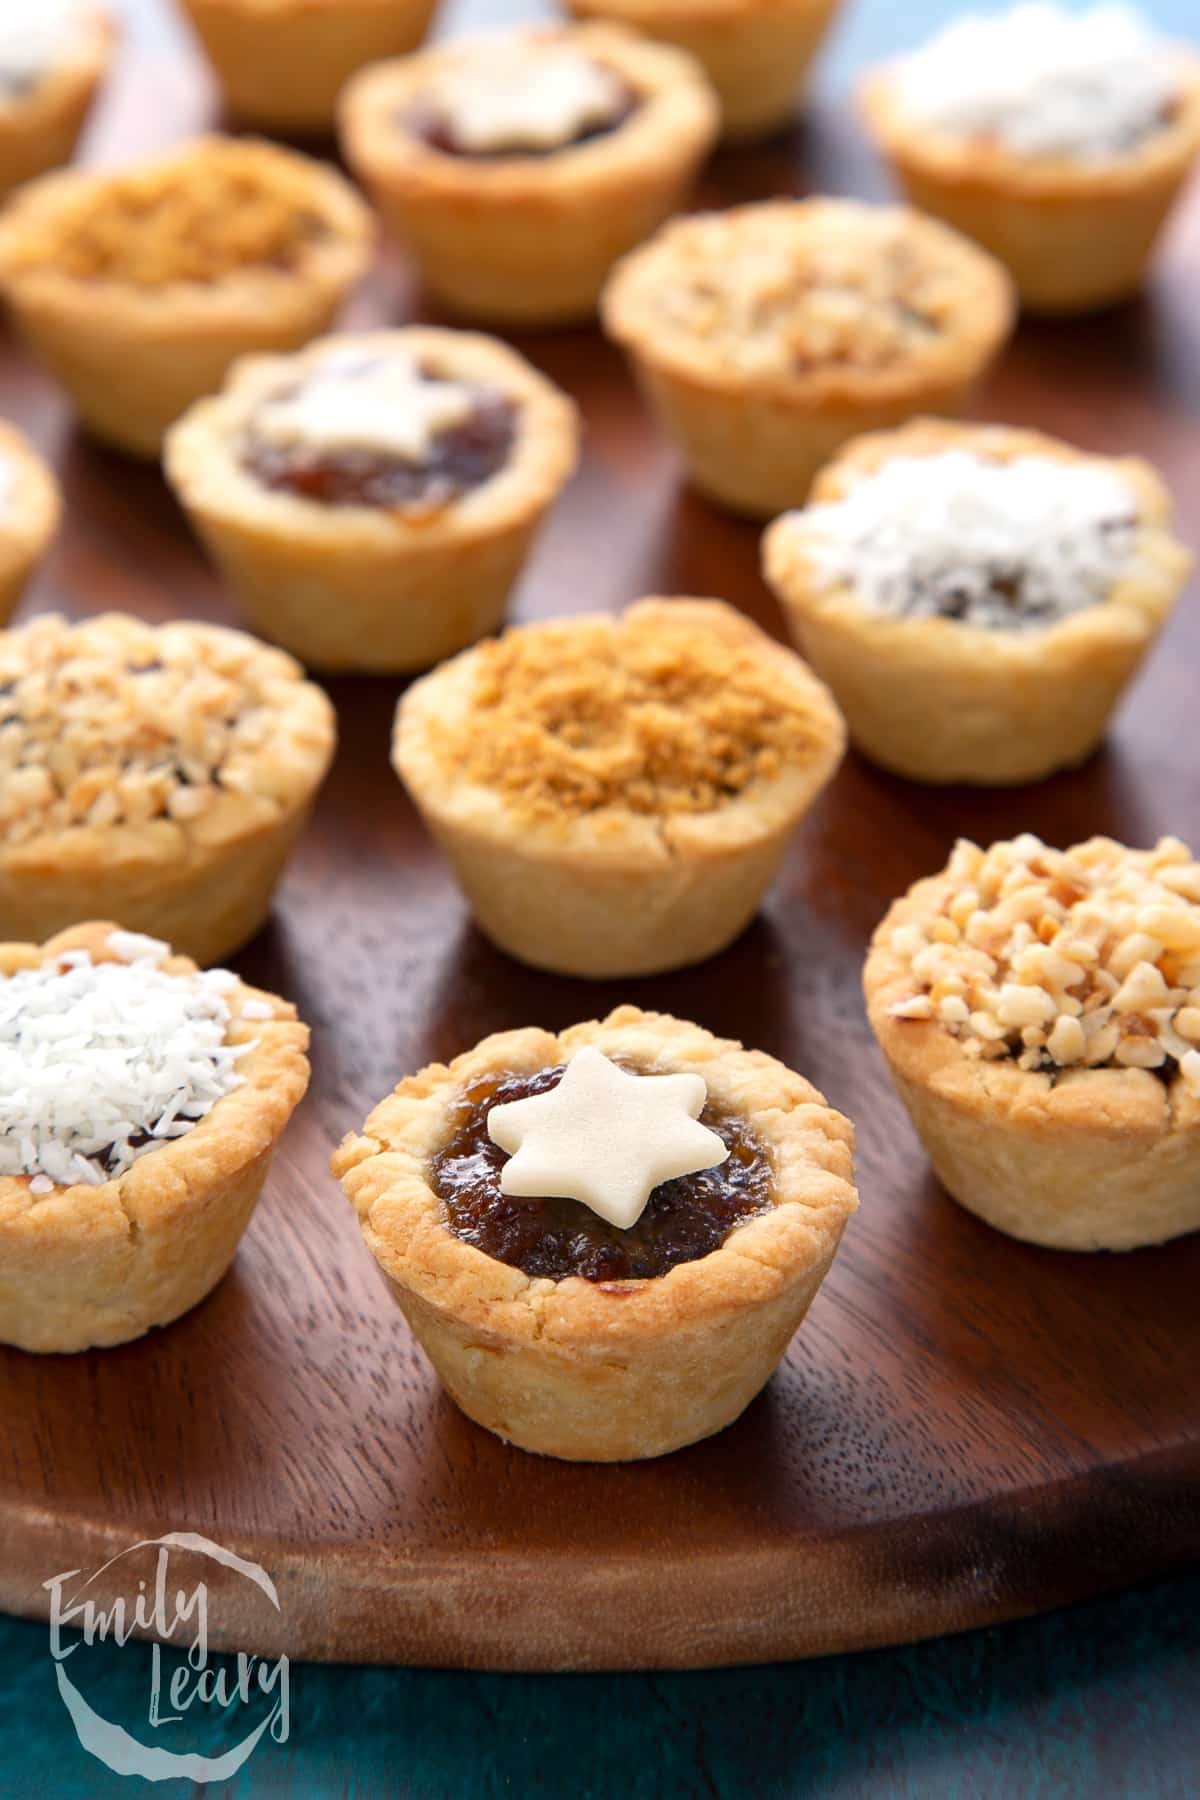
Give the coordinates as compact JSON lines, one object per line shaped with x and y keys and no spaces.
{"x":649,"y":712}
{"x":1063,"y":959}
{"x":114,"y":722}
{"x":217,"y":207}
{"x":790,"y":287}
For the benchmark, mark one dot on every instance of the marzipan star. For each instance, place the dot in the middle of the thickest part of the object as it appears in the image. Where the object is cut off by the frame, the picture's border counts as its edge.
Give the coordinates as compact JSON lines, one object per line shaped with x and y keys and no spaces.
{"x":605,"y":1137}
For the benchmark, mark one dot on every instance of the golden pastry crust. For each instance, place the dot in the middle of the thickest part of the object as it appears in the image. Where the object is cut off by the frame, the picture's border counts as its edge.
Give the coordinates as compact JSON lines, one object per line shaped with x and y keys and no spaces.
{"x":39,"y":130}
{"x":607,"y":1372}
{"x":529,"y":240}
{"x":90,"y":1266}
{"x":578,"y":793}
{"x":1077,"y":1158}
{"x":30,"y":513}
{"x":767,"y":335}
{"x":177,"y":267}
{"x":756,"y":53}
{"x":941,"y":700}
{"x":1076,"y":235}
{"x":283,"y":63}
{"x":142,"y":800}
{"x":362,"y":587}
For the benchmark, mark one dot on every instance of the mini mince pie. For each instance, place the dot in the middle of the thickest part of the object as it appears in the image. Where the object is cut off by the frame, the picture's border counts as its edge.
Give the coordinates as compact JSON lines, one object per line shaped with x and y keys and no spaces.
{"x":977,"y":597}
{"x":164,"y":773}
{"x":756,"y":53}
{"x":518,"y":167}
{"x":615,"y":794}
{"x":173,"y":269}
{"x":1058,"y":139}
{"x":140,"y":1105}
{"x":282,"y":63}
{"x":1040,"y":1013}
{"x":767,"y":335}
{"x":30,"y":510}
{"x":604,"y":1241}
{"x":372,"y":499}
{"x":53,"y":56}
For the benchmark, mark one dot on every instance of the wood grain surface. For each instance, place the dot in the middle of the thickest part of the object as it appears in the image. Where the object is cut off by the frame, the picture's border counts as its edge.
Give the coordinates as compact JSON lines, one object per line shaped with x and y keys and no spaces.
{"x":965,"y":1430}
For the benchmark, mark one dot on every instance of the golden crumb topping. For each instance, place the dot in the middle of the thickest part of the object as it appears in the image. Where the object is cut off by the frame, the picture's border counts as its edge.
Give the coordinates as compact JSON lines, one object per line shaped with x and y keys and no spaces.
{"x":671,"y":708}
{"x":113,"y":722}
{"x":217,"y":207}
{"x":792,"y":287}
{"x":1061,"y":959}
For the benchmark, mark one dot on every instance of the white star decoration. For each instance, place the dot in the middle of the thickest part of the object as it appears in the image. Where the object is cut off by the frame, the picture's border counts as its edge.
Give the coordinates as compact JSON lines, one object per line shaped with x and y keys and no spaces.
{"x":605,"y":1137}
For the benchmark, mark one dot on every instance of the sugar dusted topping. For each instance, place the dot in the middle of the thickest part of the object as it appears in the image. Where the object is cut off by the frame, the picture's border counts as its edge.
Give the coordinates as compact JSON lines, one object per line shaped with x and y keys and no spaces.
{"x":114,"y":722}
{"x":791,"y":287}
{"x":380,"y":404}
{"x":1063,"y":959}
{"x":1003,"y":544}
{"x":220,"y":206}
{"x":1044,"y":81}
{"x":35,"y":36}
{"x":650,"y":713}
{"x":103,"y":1062}
{"x":524,"y":94}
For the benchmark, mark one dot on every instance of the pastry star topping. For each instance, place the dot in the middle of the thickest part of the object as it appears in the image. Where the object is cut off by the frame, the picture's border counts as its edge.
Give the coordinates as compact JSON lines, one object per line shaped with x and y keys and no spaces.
{"x":605,"y":1137}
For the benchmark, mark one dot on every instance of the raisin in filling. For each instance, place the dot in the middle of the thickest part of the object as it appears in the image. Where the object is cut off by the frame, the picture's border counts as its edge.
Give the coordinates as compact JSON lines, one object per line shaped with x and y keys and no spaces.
{"x":424,"y":121}
{"x":460,"y":458}
{"x":1006,"y":600}
{"x":684,"y":1219}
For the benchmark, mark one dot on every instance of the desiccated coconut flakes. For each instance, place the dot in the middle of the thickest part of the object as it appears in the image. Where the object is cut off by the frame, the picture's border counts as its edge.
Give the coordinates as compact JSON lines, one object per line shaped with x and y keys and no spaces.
{"x":102,"y":1062}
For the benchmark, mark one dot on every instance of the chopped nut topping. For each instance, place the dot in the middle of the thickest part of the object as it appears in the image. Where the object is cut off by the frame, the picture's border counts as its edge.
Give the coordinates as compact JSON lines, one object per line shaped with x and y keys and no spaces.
{"x":648,"y":712}
{"x":1063,"y":959}
{"x":113,"y":722}
{"x":197,"y":215}
{"x":790,"y":287}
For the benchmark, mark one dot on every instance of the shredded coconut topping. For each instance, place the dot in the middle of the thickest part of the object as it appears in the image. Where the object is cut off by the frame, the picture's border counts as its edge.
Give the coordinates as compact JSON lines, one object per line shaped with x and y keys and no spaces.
{"x":35,"y":35}
{"x":383,"y":405}
{"x":103,"y":1062}
{"x":1063,"y":959}
{"x":651,"y":712}
{"x":1044,"y":81}
{"x":788,"y":287}
{"x":115,"y":722}
{"x":216,"y":207}
{"x":524,"y":95}
{"x":956,"y":535}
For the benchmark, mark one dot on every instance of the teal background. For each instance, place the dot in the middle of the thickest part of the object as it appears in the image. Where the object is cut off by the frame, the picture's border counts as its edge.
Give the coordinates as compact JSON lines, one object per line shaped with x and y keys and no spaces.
{"x":1103,"y":1700}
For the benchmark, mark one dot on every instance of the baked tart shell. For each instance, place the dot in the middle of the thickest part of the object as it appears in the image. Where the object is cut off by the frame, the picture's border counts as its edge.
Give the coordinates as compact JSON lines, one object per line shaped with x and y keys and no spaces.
{"x":529,"y":241}
{"x":282,"y":64}
{"x":1099,"y":1159}
{"x":39,"y":130}
{"x":365,"y":588}
{"x":941,"y":701}
{"x":181,"y":337}
{"x":606,"y":1372}
{"x":1076,"y":237}
{"x":757,"y":55}
{"x":91,"y":1266}
{"x":755,"y":443}
{"x":204,"y":886}
{"x":625,"y":895}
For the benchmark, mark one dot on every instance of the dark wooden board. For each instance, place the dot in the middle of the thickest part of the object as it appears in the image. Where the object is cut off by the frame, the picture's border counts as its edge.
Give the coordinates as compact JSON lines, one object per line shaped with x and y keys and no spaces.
{"x":966,"y":1428}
